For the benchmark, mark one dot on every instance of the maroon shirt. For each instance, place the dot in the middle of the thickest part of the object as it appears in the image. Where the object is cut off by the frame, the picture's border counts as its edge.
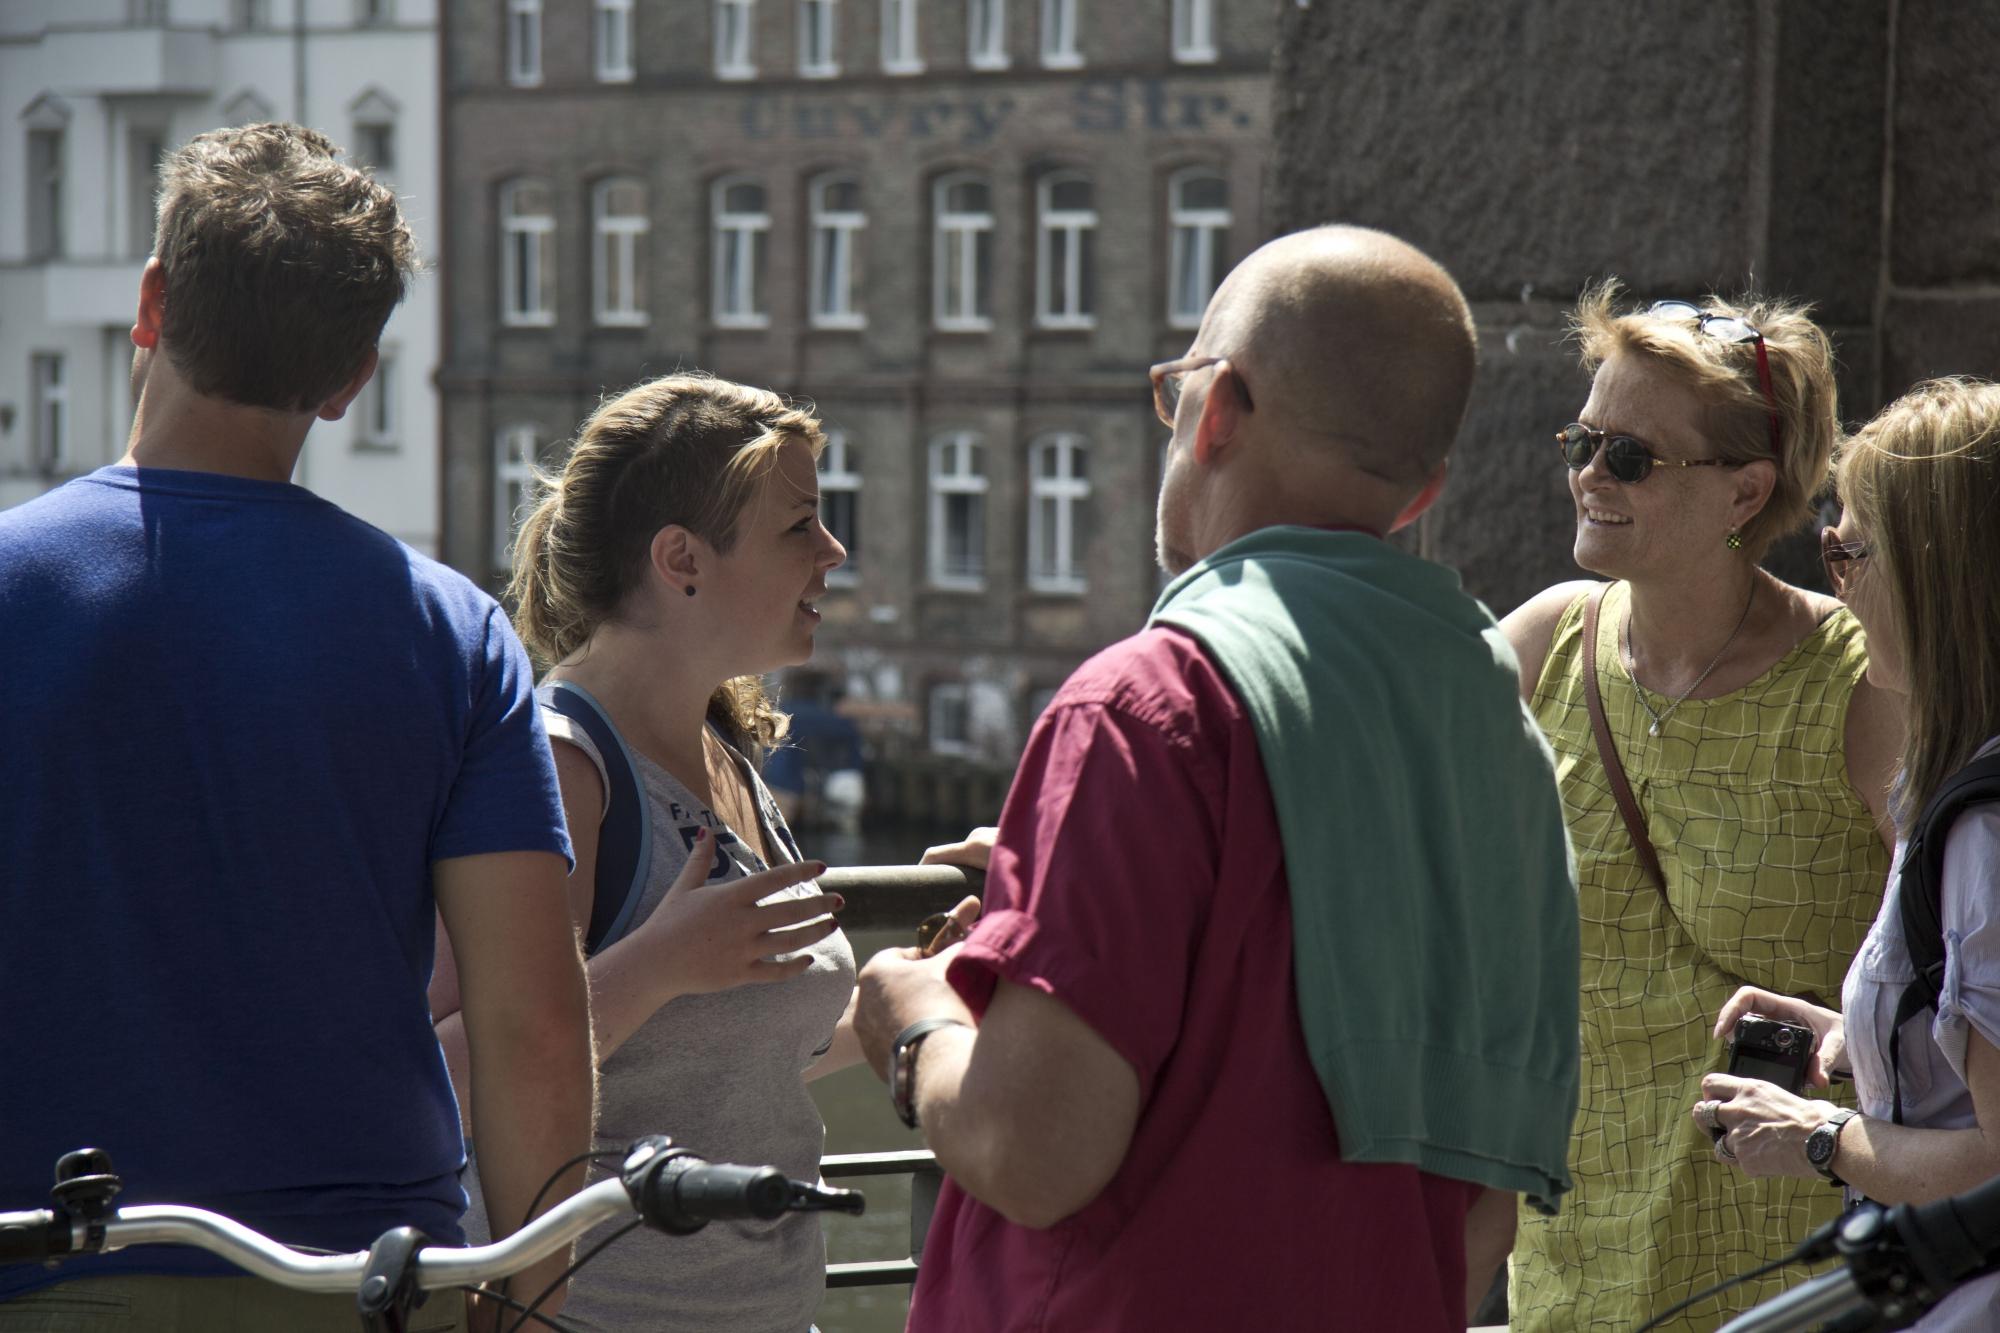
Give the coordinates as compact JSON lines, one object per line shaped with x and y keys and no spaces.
{"x":1139,"y":878}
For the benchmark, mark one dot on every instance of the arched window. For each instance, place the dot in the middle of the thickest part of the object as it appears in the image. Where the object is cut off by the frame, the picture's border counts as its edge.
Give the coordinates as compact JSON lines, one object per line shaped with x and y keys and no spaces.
{"x":900,"y":52}
{"x":1198,"y":221}
{"x":819,"y":30}
{"x":614,"y":41}
{"x":1194,"y":31}
{"x":618,"y":251}
{"x":837,"y":224}
{"x":1058,"y":512}
{"x":840,"y":501}
{"x":958,"y":511}
{"x":742,"y":228}
{"x":515,"y":451}
{"x":1059,"y":48}
{"x":986,"y":33}
{"x":1065,"y":251}
{"x":962,"y":277}
{"x":527,"y":254}
{"x":735,"y":21}
{"x":524,"y":42}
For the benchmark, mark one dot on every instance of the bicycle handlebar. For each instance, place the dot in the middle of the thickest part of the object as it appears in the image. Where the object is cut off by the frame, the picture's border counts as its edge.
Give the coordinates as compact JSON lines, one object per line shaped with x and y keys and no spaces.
{"x":670,"y":1188}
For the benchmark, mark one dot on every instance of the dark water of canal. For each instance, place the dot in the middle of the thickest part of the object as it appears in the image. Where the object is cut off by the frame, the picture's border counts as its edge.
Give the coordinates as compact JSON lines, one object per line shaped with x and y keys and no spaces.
{"x":855,"y":1106}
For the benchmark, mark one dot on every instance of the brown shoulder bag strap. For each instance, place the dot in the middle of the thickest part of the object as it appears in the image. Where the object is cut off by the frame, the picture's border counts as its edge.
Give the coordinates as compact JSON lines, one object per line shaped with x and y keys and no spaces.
{"x":1614,"y":771}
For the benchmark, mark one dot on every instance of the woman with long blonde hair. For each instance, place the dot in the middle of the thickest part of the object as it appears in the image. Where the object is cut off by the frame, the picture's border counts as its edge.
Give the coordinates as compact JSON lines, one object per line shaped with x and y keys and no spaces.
{"x":1916,"y":557}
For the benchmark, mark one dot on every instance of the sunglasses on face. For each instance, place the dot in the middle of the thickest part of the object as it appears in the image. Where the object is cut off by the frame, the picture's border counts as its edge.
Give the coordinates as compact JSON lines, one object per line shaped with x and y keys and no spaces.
{"x":1836,"y":556}
{"x":1728,"y":329}
{"x":1625,"y":458}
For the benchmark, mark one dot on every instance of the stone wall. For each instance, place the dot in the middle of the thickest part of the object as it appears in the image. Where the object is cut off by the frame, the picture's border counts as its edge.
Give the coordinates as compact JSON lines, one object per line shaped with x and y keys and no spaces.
{"x":1844,"y":154}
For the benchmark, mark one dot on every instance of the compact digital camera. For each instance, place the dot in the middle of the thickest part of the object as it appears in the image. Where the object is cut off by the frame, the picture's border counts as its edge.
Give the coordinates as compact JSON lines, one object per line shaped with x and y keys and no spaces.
{"x":1771,"y":1050}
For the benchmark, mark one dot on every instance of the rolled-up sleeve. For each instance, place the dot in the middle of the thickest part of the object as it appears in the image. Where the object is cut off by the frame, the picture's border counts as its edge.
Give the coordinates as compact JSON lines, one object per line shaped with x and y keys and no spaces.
{"x":1971,"y":912}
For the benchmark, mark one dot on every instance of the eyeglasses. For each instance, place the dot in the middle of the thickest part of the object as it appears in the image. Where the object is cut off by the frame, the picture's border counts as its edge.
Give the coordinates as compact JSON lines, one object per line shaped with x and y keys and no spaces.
{"x":1170,"y":377}
{"x":1835,"y":554}
{"x":1729,"y":329}
{"x":1625,"y":458}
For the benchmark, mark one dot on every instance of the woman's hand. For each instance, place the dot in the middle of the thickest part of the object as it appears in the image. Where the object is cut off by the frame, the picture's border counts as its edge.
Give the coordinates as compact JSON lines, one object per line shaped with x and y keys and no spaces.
{"x":708,"y":937}
{"x":973,"y":852}
{"x":1763,"y":1127}
{"x":1829,"y":1030}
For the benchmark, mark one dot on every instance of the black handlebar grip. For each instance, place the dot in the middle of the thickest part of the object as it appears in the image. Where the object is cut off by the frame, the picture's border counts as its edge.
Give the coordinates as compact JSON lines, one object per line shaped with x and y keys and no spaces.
{"x":686,"y":1194}
{"x":32,"y":1238}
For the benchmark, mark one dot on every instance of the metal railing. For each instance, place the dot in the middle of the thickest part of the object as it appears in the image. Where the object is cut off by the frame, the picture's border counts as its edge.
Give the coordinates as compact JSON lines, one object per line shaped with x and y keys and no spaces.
{"x":925,"y":1180}
{"x":893,"y":898}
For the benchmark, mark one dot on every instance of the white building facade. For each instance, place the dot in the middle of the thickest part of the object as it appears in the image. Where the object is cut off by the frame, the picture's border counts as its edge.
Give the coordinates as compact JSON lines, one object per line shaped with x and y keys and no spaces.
{"x":92,"y":94}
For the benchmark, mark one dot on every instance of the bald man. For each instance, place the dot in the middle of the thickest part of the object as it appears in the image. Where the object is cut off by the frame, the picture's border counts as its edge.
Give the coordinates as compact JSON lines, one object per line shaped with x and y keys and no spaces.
{"x":1273,"y":1004}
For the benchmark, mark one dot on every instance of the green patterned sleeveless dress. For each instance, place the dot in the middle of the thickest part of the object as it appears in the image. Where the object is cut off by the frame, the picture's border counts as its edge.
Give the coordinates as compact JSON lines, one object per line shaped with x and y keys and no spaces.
{"x":1774,"y":870}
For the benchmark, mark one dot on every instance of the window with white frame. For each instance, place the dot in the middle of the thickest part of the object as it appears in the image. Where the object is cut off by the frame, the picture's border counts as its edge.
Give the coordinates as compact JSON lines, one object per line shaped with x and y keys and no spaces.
{"x":1194,"y":31}
{"x":516,"y":450}
{"x":986,"y":33}
{"x":951,"y":718}
{"x":1065,"y":251}
{"x":958,"y":511}
{"x":49,"y":389}
{"x":733,"y":24}
{"x":145,"y":156}
{"x":1058,"y":512}
{"x":900,"y":53}
{"x":619,"y":226}
{"x":819,"y":57}
{"x":837,"y":223}
{"x":840,"y":502}
{"x":527,"y":254}
{"x":1198,"y":222}
{"x":524,"y":42}
{"x":375,"y":115}
{"x":45,"y":193}
{"x":742,"y":228}
{"x":614,"y":41}
{"x":962,"y":268}
{"x":1059,"y":48}
{"x":379,"y":417}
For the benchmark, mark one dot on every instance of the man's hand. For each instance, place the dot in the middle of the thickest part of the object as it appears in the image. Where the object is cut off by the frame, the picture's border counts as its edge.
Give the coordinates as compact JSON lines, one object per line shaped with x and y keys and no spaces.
{"x":973,"y":852}
{"x":895,"y":989}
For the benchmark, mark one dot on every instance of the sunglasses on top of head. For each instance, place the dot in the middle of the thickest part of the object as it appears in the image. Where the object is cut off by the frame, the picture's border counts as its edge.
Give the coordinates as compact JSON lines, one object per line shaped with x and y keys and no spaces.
{"x":1627,"y":459}
{"x":1729,"y":329}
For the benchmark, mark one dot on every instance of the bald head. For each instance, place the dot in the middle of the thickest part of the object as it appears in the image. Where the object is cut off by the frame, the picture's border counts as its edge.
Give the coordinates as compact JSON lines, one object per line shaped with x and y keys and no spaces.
{"x":1352,"y":337}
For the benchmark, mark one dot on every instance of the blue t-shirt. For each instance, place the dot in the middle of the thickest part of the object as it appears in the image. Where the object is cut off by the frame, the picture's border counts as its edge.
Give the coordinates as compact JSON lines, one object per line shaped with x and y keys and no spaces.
{"x":241,"y":725}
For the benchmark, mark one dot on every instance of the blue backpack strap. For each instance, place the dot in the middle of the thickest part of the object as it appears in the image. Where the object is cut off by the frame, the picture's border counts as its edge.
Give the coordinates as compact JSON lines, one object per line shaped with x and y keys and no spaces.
{"x":625,"y":837}
{"x":1920,"y":902}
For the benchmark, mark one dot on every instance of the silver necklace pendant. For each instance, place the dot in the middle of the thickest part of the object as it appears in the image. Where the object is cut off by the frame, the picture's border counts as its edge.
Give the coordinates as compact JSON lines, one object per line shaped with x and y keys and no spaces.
{"x":1653,"y":730}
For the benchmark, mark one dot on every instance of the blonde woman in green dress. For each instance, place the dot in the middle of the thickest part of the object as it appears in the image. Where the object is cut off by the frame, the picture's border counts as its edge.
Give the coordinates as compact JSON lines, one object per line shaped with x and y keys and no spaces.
{"x":1758,"y":758}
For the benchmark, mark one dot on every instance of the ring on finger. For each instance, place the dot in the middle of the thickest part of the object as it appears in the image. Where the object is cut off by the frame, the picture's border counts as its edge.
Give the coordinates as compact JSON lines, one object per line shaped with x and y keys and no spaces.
{"x":1704,"y":1115}
{"x":1723,"y":1150}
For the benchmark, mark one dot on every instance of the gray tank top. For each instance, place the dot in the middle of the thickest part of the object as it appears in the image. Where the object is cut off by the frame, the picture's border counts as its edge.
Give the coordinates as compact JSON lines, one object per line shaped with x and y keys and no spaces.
{"x":721,"y":1074}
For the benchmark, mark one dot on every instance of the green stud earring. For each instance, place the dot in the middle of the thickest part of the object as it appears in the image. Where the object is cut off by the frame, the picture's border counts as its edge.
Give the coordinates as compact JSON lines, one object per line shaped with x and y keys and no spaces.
{"x":1734,"y":541}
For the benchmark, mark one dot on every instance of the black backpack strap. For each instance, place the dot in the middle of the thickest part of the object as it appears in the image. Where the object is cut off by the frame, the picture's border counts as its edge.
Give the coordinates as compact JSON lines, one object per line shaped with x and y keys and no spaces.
{"x":1920,"y":890}
{"x":625,"y":837}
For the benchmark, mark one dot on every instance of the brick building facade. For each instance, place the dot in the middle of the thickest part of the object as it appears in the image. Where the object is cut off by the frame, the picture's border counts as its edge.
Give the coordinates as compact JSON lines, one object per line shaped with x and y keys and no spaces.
{"x":964,"y":228}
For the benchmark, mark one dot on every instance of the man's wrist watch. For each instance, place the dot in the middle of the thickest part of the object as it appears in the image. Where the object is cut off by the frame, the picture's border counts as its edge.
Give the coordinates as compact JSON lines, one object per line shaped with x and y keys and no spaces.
{"x":1824,"y":1142}
{"x":903,"y":1064}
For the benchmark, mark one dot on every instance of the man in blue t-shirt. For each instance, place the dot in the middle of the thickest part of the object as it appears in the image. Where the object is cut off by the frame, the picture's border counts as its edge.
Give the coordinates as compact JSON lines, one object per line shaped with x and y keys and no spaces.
{"x":254,"y":745}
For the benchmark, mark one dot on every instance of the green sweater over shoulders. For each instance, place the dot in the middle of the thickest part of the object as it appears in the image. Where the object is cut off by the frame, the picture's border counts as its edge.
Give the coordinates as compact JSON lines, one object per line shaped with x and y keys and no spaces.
{"x":1433,"y":892}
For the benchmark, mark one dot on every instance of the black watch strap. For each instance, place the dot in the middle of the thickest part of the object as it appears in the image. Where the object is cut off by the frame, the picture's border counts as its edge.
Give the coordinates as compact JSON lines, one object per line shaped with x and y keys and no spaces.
{"x":903,"y":1064}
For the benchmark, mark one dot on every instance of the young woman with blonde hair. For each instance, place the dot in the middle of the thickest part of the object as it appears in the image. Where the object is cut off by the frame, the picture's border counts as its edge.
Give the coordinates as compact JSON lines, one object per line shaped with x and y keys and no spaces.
{"x":1917,"y":558}
{"x":1756,"y":757}
{"x":674,"y":559}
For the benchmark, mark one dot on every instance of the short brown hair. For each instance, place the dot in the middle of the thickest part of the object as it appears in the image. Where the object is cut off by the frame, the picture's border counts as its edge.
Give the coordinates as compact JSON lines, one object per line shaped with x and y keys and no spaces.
{"x":1724,"y":376}
{"x":683,"y":449}
{"x":282,"y":265}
